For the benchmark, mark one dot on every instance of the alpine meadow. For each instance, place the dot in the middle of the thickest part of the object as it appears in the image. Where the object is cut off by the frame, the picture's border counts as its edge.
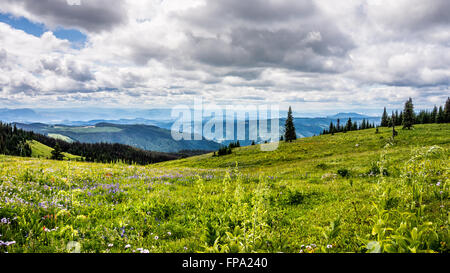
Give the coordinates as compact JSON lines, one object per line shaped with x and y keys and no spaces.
{"x":224,"y":135}
{"x":358,"y":191}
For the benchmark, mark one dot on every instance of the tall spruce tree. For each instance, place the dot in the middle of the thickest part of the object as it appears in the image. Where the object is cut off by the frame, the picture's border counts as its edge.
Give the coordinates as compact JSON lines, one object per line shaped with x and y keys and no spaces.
{"x":434,"y":115}
{"x":331,"y":129}
{"x":447,"y":111}
{"x":384,"y":119}
{"x":349,"y":125}
{"x":440,"y":117}
{"x":57,"y":153}
{"x":408,"y":114}
{"x":289,"y":129}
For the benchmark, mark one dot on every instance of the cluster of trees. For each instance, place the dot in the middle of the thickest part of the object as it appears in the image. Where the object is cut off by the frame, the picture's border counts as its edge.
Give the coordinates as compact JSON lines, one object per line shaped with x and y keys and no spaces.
{"x":408,"y":117}
{"x":13,"y":141}
{"x":348,"y":126}
{"x":106,"y":152}
{"x":226,"y":150}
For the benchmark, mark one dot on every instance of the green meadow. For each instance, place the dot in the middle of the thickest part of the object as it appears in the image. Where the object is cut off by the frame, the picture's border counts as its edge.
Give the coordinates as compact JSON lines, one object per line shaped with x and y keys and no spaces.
{"x":359,"y":191}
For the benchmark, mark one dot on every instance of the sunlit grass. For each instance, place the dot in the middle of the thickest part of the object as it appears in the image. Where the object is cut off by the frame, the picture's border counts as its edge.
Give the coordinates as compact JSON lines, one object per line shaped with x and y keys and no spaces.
{"x":295,"y":199}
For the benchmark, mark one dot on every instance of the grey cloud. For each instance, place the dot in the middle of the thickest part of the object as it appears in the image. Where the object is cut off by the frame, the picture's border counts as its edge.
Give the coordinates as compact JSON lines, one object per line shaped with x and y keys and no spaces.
{"x":247,"y":74}
{"x":79,"y":73}
{"x":3,"y":55}
{"x":419,"y":15}
{"x":71,"y":69}
{"x":259,"y":34}
{"x":293,"y":49}
{"x":216,"y":13}
{"x":25,"y":87}
{"x":52,"y":64}
{"x":91,"y":16}
{"x":141,"y":54}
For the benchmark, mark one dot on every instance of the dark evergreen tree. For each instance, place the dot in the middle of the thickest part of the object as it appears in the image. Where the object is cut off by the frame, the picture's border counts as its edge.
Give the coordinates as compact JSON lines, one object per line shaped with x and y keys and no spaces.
{"x":408,"y":114}
{"x":363,"y":125}
{"x":447,"y":111}
{"x":441,"y":115}
{"x":331,"y":129}
{"x":384,"y":119}
{"x":289,"y":132}
{"x":349,"y":125}
{"x":57,"y":153}
{"x":434,"y":114}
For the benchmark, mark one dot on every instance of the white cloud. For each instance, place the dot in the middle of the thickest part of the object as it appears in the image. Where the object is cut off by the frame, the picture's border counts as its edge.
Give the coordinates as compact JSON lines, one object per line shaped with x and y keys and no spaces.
{"x":309,"y":53}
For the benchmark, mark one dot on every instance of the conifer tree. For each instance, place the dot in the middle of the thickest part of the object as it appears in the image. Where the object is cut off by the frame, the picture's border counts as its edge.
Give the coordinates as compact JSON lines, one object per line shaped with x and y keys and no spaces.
{"x":331,"y":130}
{"x":349,"y":125}
{"x":447,"y":111}
{"x":57,"y":153}
{"x":289,"y":133}
{"x":434,"y":115}
{"x":408,"y":114}
{"x":440,"y":116}
{"x":384,"y":118}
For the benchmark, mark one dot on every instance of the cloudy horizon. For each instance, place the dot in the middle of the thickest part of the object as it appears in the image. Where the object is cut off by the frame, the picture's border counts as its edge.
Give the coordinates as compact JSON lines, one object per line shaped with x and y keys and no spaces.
{"x":314,"y":55}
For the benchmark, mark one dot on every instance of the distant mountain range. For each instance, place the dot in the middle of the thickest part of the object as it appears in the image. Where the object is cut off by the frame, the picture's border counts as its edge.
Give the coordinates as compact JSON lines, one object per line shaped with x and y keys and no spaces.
{"x":145,"y":129}
{"x":145,"y":137}
{"x":91,"y":116}
{"x":349,"y":115}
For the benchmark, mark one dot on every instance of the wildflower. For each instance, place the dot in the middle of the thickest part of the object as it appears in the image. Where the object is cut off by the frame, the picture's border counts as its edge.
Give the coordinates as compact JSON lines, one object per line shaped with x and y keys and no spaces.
{"x":441,"y":192}
{"x":127,"y":246}
{"x":329,"y":246}
{"x":185,"y":248}
{"x":156,"y":237}
{"x":169,"y":233}
{"x":438,"y":184}
{"x":110,"y":245}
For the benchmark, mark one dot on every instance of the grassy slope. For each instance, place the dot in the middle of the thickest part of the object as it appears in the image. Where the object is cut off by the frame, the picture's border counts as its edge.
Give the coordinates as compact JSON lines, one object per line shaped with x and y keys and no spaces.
{"x":61,"y":137}
{"x":275,"y":201}
{"x":335,"y":151}
{"x":40,"y":150}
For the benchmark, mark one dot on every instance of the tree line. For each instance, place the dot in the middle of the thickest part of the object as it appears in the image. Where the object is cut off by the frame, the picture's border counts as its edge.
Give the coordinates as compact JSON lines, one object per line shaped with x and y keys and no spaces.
{"x":408,"y":117}
{"x":348,"y":126}
{"x":14,"y":141}
{"x":226,"y":150}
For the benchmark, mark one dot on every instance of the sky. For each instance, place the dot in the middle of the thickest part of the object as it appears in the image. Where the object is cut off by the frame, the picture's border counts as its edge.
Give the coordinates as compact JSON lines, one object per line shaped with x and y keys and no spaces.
{"x":317,"y":56}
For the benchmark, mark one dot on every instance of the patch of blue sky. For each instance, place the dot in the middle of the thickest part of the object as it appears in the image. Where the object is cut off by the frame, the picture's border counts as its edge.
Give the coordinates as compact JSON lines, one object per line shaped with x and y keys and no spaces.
{"x":77,"y":38}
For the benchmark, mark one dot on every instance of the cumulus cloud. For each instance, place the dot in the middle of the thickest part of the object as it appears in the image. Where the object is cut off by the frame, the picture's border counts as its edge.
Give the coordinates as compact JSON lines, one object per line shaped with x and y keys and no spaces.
{"x":90,"y":16}
{"x":317,"y":54}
